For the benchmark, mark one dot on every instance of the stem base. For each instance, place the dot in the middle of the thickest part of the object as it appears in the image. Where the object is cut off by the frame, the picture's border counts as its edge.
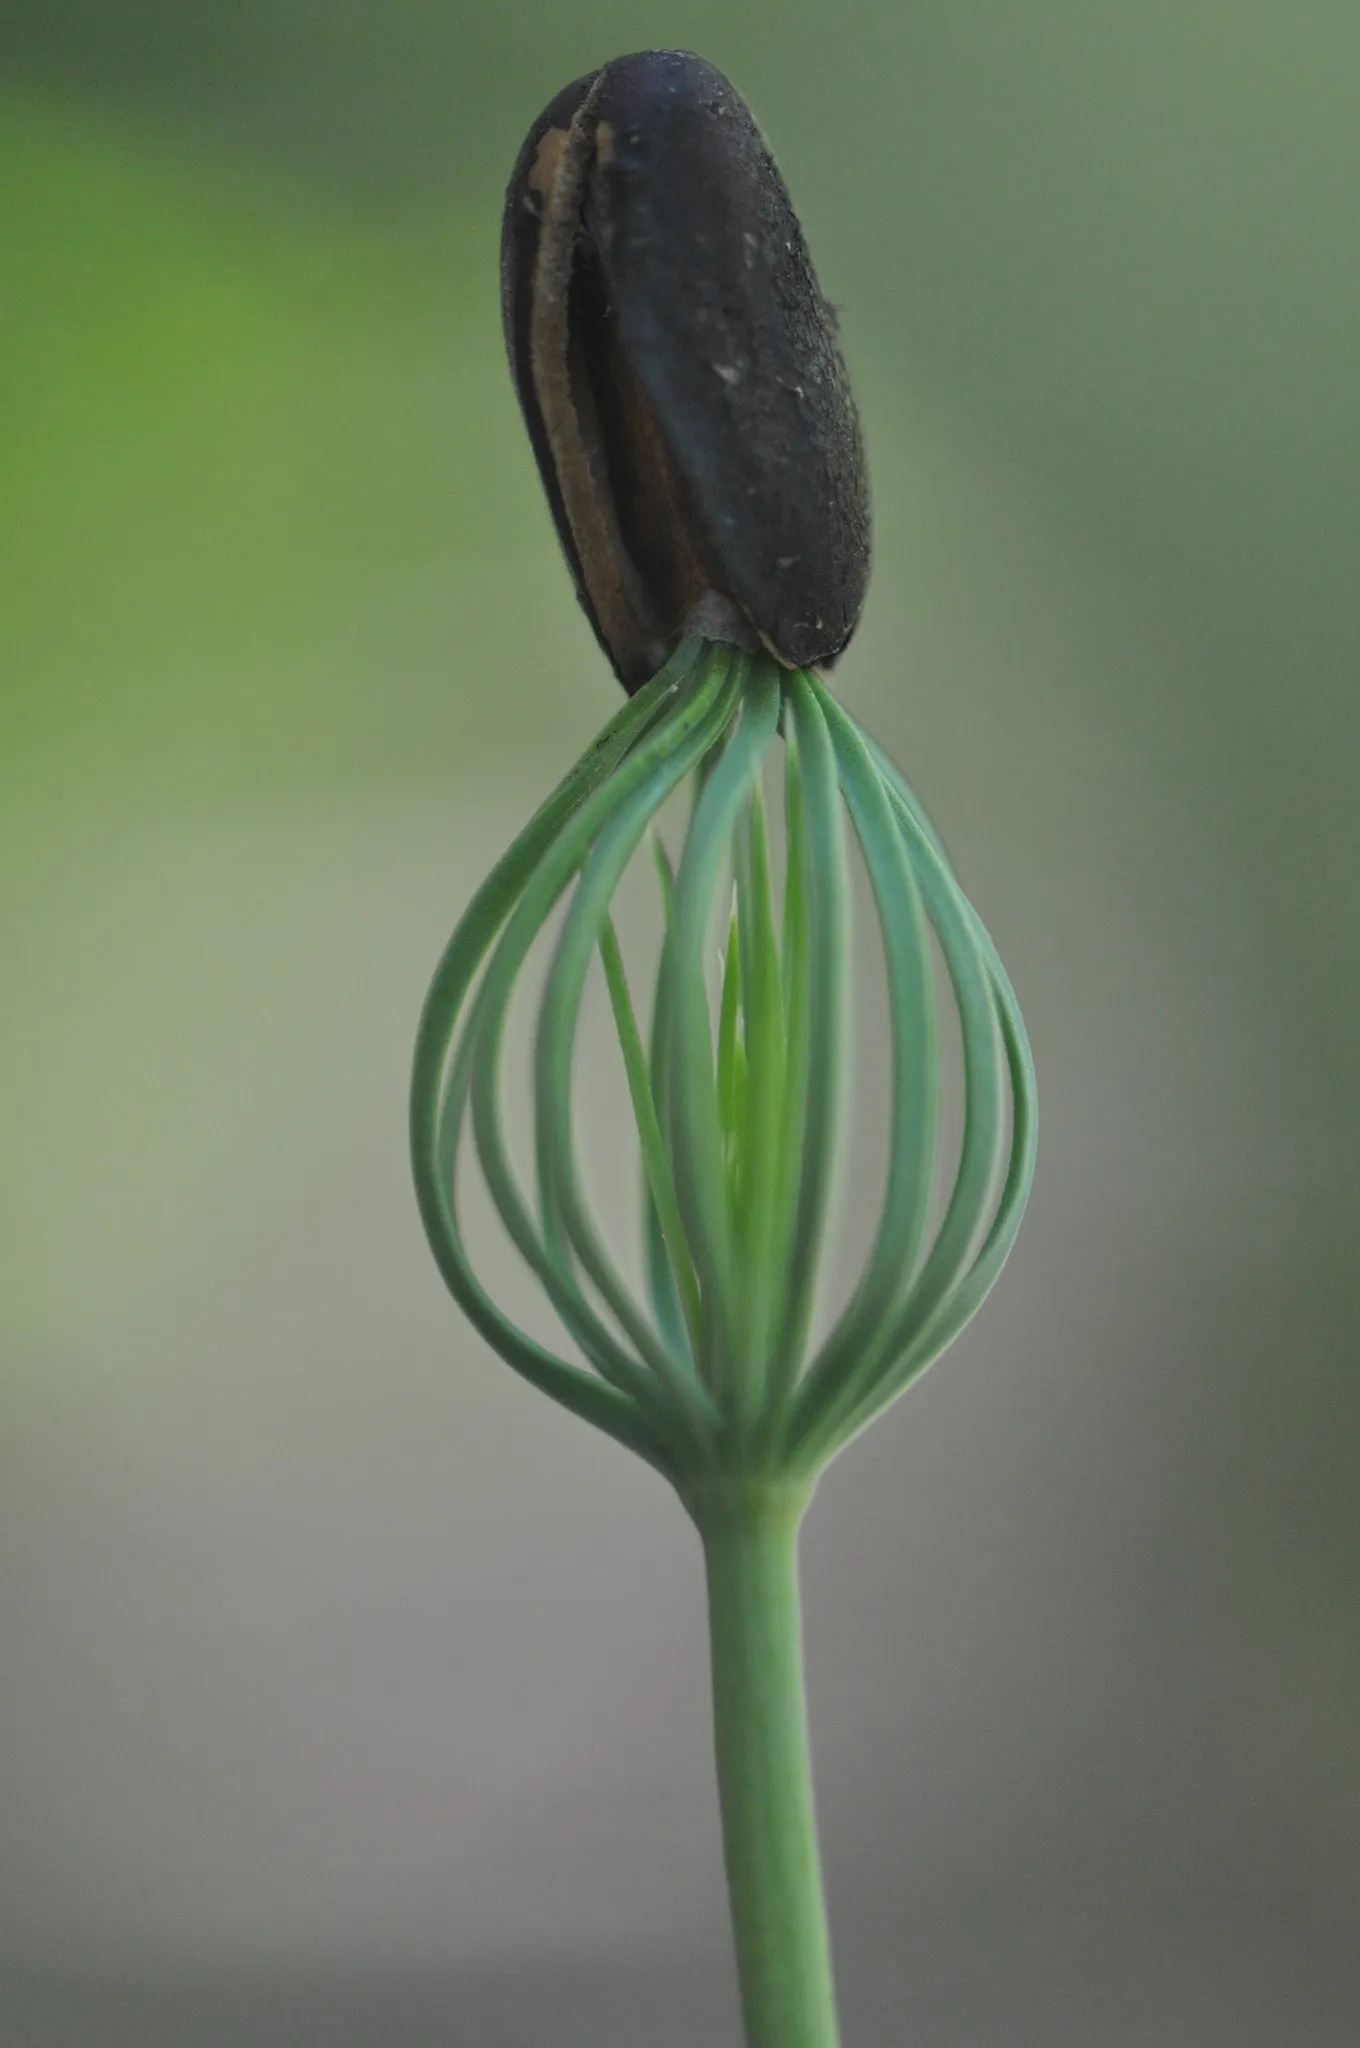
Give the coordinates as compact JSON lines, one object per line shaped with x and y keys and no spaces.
{"x":750,"y":1538}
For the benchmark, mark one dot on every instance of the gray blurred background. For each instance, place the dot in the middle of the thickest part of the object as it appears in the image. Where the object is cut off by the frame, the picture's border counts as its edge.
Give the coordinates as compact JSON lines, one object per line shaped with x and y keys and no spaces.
{"x":352,"y":1694}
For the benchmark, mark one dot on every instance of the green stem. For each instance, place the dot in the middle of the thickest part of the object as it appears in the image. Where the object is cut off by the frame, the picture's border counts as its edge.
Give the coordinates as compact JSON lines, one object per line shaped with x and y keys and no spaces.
{"x":750,"y":1537}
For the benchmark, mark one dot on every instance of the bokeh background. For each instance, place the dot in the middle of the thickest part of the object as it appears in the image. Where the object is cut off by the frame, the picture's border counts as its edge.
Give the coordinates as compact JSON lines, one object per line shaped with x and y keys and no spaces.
{"x":352,"y":1694}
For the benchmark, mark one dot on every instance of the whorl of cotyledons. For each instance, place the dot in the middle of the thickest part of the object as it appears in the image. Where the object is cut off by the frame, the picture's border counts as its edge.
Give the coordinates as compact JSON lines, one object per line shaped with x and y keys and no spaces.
{"x":707,"y":1360}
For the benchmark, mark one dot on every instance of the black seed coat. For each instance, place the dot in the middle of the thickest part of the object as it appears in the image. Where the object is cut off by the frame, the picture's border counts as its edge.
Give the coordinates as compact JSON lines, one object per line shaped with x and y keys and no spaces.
{"x":679,"y":373}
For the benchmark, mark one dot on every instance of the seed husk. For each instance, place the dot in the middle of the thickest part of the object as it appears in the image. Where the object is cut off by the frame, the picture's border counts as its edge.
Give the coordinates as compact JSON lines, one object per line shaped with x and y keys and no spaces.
{"x":679,"y":372}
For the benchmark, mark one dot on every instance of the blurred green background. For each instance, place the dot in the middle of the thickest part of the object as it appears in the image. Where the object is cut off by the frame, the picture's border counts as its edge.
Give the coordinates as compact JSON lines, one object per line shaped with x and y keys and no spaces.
{"x":351,"y":1693}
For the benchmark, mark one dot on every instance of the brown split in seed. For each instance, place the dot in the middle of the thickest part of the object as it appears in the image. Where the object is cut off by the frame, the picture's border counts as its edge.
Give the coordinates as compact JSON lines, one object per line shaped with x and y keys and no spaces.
{"x":566,"y":400}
